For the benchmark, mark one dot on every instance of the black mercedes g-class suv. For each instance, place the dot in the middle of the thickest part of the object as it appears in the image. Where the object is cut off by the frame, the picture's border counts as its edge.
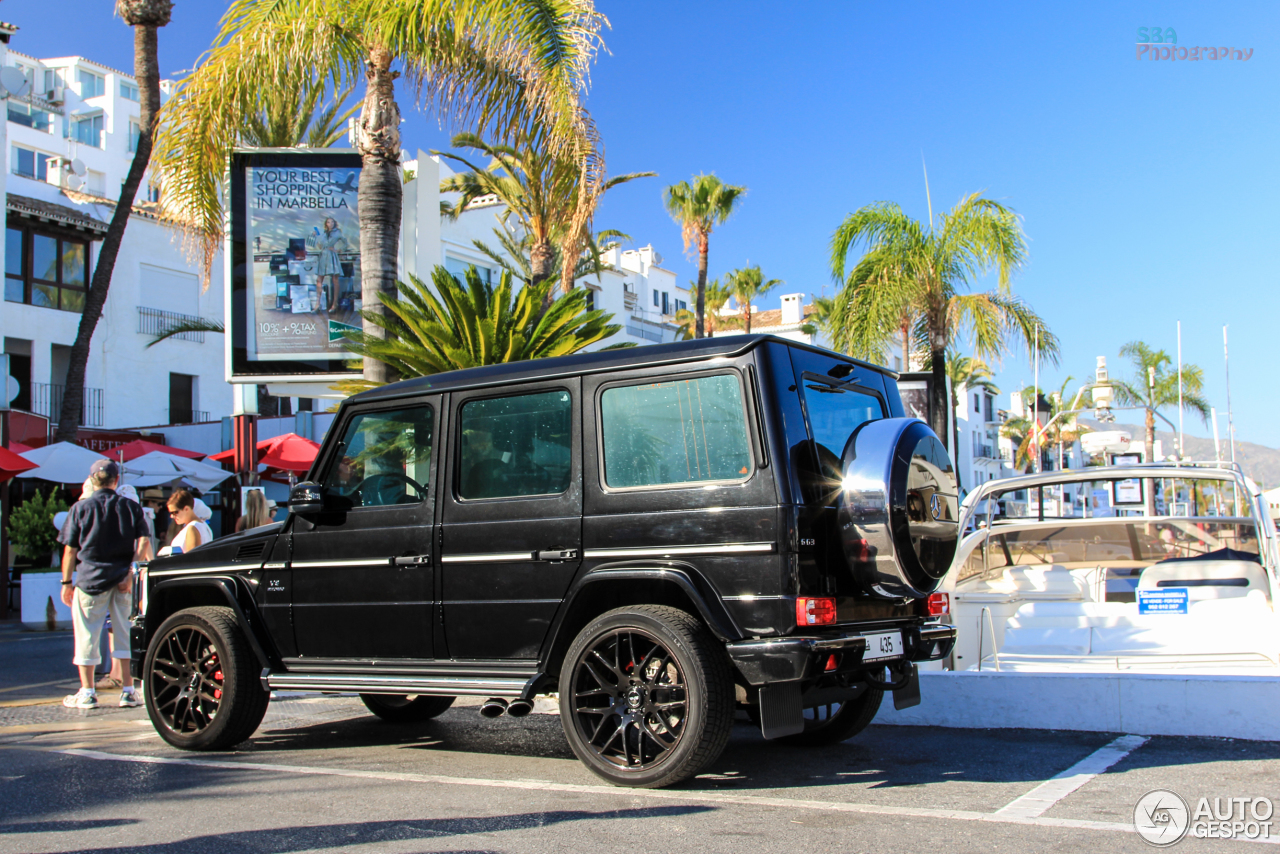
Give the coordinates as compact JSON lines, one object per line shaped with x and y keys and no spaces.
{"x":663,"y":535}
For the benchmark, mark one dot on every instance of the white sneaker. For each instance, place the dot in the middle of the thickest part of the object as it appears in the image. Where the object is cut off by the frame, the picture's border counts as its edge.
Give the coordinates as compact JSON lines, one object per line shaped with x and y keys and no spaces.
{"x":85,"y":698}
{"x":129,"y":699}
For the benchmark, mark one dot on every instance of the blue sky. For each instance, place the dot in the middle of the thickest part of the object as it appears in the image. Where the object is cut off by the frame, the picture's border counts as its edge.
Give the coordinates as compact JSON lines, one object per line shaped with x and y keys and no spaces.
{"x":1147,"y":189}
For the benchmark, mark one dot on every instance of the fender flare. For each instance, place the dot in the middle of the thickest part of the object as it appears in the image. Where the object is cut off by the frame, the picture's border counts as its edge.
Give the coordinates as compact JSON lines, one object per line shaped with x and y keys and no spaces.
{"x":230,"y":590}
{"x":683,"y":575}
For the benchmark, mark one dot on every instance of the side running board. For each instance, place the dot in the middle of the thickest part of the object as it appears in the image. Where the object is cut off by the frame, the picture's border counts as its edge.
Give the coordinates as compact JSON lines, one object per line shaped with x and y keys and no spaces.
{"x":445,"y":686}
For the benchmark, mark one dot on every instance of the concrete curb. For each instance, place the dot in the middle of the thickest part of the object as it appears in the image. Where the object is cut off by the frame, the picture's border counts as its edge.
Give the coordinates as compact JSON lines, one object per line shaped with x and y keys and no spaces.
{"x":1144,"y":704}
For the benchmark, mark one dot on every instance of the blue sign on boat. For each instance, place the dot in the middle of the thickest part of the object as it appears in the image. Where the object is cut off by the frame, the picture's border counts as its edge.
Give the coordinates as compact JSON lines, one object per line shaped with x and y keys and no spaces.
{"x":1166,"y":600}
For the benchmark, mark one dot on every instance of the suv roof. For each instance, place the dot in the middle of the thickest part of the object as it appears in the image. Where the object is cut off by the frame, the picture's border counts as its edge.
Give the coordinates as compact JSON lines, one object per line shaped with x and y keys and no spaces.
{"x":593,"y":362}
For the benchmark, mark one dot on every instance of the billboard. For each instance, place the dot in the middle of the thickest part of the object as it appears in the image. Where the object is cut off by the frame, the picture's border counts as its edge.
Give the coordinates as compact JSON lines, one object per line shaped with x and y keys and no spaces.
{"x":294,"y":264}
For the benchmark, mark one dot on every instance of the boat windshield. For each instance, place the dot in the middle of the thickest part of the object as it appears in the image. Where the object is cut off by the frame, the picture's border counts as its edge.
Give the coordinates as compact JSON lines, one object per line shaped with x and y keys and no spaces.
{"x":1116,"y":543}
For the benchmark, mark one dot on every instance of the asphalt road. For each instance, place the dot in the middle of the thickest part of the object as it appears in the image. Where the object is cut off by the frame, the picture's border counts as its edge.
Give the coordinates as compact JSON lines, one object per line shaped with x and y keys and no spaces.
{"x":322,"y":774}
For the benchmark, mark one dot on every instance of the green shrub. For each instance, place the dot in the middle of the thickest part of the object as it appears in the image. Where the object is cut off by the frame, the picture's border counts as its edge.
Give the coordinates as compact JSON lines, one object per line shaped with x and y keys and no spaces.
{"x":31,"y":524}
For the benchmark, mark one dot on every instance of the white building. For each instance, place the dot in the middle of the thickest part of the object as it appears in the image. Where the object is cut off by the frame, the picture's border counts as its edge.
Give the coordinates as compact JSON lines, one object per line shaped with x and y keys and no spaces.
{"x":68,"y":146}
{"x":791,"y":321}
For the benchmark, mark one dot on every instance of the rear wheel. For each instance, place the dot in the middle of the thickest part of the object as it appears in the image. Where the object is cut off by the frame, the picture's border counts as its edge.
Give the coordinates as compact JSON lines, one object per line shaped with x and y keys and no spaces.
{"x":833,"y":723}
{"x":646,"y":696}
{"x":406,"y":708}
{"x":202,"y":688}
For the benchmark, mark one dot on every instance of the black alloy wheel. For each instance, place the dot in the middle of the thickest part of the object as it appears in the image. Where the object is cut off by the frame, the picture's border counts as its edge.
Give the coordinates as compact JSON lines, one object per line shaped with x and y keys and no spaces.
{"x":202,"y":692}
{"x":630,"y":699}
{"x":646,"y":696}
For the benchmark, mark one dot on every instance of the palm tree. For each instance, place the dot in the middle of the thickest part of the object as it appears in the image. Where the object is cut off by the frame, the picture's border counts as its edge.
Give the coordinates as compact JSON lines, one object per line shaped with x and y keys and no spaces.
{"x":699,"y":208}
{"x":1049,"y":424}
{"x":717,"y":297}
{"x":913,"y":277}
{"x":509,"y":65}
{"x":972,"y":373}
{"x":1156,"y":386}
{"x":516,"y":258}
{"x":464,"y":325}
{"x":288,"y":116}
{"x":747,"y":285}
{"x":145,"y":16}
{"x":540,"y":188}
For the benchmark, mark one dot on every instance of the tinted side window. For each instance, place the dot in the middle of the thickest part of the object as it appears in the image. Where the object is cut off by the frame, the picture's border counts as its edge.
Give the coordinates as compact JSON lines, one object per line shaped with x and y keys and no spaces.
{"x":835,"y":412}
{"x":684,"y":431}
{"x":386,"y":458}
{"x":516,"y":446}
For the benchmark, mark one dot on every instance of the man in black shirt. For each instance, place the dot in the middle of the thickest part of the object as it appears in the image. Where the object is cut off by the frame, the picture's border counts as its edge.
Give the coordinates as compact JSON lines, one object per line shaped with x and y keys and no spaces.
{"x":102,"y":536}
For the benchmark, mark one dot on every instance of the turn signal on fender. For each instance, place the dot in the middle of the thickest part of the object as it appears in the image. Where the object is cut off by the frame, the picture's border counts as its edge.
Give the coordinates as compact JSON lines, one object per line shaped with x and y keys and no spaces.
{"x":815,"y":612}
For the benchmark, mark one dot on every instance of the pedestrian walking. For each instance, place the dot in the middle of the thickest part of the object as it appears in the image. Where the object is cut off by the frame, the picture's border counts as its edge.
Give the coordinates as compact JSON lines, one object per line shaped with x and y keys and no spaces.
{"x":103,"y":535}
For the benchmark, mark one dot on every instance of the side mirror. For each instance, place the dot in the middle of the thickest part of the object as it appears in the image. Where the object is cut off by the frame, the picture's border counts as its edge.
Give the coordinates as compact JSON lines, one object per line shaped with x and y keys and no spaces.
{"x":306,"y":497}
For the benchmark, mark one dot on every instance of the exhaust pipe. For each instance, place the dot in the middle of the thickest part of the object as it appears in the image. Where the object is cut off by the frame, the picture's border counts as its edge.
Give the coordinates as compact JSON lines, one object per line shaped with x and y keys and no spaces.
{"x":493,"y":708}
{"x":519,"y":708}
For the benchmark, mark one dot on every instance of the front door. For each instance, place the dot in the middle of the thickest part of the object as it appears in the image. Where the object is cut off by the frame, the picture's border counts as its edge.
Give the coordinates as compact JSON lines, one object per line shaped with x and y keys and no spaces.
{"x":512,"y":517}
{"x":363,"y":582}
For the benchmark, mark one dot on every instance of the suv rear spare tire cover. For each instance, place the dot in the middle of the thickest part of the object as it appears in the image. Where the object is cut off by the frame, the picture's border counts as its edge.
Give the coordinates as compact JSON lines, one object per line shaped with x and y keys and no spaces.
{"x":899,"y":508}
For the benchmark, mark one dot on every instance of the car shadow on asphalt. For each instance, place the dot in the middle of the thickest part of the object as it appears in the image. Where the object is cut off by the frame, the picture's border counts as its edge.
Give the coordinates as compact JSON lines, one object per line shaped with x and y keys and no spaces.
{"x":284,"y":840}
{"x":880,"y":757}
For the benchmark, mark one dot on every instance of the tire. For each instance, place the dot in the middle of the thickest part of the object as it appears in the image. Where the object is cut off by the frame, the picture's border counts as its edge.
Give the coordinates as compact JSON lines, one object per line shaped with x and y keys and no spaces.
{"x":202,"y":686}
{"x":405,"y":708}
{"x":653,"y":722}
{"x":832,"y":724}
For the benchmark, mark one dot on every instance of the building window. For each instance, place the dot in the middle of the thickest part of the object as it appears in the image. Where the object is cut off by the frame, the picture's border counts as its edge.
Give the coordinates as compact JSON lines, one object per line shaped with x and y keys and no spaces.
{"x":591,"y":300}
{"x":88,"y":130}
{"x":91,"y":85}
{"x":46,"y":270}
{"x":681,"y":305}
{"x":656,"y":299}
{"x":128,"y":91}
{"x":97,"y":183}
{"x":31,"y":164}
{"x":666,"y":303}
{"x":135,"y":131}
{"x":28,"y":116}
{"x":51,"y":80}
{"x":182,"y":398}
{"x":976,"y":403}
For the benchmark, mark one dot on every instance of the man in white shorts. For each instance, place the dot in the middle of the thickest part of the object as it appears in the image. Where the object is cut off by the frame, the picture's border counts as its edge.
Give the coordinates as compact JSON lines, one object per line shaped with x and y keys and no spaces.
{"x":102,"y":536}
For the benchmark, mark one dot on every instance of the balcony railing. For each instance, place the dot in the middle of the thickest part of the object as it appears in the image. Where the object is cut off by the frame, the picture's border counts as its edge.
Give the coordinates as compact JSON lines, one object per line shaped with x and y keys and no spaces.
{"x":188,"y":416}
{"x":154,"y":322}
{"x":46,"y":400}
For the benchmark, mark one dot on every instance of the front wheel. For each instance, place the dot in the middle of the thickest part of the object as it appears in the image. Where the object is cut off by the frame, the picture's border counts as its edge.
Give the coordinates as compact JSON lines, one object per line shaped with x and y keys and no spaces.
{"x":203,"y":691}
{"x":404,"y":708}
{"x":646,"y":696}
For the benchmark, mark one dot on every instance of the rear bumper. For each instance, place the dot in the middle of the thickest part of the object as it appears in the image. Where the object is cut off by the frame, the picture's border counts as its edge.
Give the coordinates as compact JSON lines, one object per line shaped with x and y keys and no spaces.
{"x":790,"y":659}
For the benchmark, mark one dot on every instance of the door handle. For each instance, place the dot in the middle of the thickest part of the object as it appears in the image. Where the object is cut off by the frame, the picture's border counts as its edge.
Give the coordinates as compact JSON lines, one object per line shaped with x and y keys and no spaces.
{"x":412,"y":560}
{"x":556,"y":554}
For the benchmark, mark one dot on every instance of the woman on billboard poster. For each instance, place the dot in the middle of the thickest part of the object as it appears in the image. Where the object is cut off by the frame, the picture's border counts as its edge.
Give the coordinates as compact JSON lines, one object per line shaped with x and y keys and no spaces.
{"x":327,"y":245}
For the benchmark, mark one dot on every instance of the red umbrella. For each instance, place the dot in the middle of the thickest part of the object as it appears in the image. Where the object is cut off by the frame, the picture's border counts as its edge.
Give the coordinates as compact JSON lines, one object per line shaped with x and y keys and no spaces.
{"x":289,"y":452}
{"x":138,"y":447}
{"x":12,"y":464}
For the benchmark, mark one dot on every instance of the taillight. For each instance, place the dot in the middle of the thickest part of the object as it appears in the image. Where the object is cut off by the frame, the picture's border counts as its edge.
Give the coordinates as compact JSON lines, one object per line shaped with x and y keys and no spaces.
{"x":815,"y":612}
{"x":938,"y":605}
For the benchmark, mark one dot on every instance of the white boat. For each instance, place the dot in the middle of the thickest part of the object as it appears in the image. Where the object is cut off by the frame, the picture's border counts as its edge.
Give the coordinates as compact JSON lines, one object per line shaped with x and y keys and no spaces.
{"x":1150,"y":568}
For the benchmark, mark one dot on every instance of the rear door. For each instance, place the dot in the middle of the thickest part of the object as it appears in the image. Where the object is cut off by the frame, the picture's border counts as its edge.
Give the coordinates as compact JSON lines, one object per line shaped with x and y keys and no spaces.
{"x":512,"y":514}
{"x":363,"y":582}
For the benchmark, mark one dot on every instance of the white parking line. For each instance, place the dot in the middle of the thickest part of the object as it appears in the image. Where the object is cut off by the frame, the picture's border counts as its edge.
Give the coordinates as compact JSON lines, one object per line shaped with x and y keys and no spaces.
{"x":1037,"y":802}
{"x":618,"y":791}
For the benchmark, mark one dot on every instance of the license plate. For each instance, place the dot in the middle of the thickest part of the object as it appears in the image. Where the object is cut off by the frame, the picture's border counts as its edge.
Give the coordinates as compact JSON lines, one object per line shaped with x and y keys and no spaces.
{"x":882,"y":646}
